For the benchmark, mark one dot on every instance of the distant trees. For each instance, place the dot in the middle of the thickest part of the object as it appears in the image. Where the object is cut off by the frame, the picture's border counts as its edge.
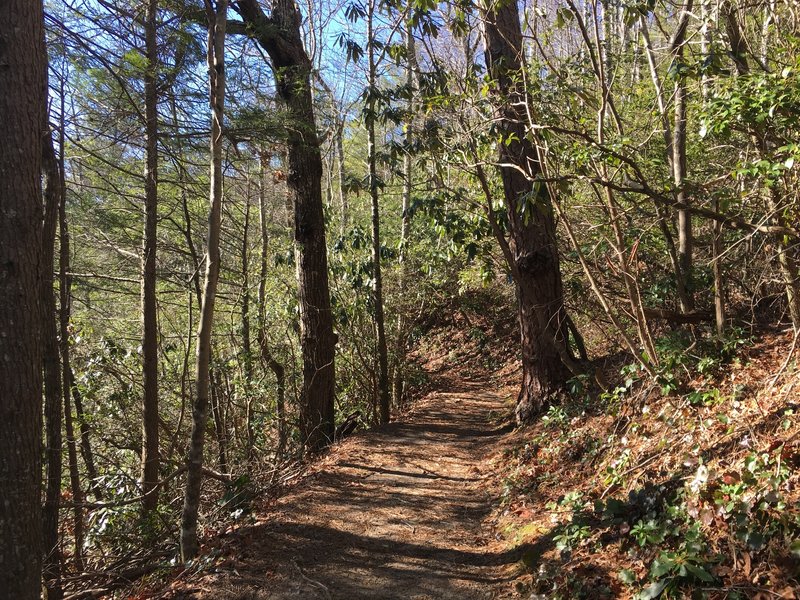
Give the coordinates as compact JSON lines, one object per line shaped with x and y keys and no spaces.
{"x":23,"y":79}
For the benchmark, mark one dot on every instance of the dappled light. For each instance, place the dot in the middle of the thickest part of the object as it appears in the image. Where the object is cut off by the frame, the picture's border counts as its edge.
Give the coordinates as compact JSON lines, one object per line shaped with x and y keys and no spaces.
{"x":399,"y":299}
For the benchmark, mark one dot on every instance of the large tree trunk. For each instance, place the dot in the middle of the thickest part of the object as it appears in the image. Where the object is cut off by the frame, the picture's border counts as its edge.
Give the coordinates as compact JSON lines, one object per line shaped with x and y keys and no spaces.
{"x":150,"y":450}
{"x":52,"y":375}
{"x":535,"y":267}
{"x":280,"y":36}
{"x":377,"y":275}
{"x":216,"y":70}
{"x":23,"y":72}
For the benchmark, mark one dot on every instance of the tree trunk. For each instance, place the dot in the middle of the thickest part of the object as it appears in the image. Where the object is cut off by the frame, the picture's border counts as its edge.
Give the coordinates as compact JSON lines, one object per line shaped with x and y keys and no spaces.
{"x":536,"y":268}
{"x":247,"y":351}
{"x":766,"y":29}
{"x":86,"y":446}
{"x":263,"y":339}
{"x":398,"y":378}
{"x":787,"y":261}
{"x":719,"y":278}
{"x":608,"y":37}
{"x":150,"y":449}
{"x":217,"y":412}
{"x":679,"y":166}
{"x":23,"y":81}
{"x":675,"y":150}
{"x":52,"y":375}
{"x":637,"y":55}
{"x":74,"y":473}
{"x":216,"y":71}
{"x":705,"y":45}
{"x":377,"y":276}
{"x":280,"y":36}
{"x":55,"y":171}
{"x":685,"y":235}
{"x":69,"y":385}
{"x":345,"y":210}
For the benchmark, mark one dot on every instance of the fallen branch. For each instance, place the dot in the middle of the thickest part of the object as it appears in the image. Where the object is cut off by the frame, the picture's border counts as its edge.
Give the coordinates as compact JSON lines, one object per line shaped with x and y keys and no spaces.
{"x":785,"y":362}
{"x":313,"y":582}
{"x":672,"y":316}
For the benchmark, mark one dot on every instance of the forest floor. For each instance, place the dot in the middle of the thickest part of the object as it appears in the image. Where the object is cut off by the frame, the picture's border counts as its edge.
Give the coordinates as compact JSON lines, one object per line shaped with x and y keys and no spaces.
{"x":397,"y":512}
{"x":633,"y":493}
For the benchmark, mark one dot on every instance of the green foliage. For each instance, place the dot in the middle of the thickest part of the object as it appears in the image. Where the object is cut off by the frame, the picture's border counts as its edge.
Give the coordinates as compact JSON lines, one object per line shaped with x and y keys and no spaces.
{"x":614,"y":473}
{"x":571,"y":536}
{"x":555,"y":417}
{"x":650,"y":532}
{"x":681,"y":355}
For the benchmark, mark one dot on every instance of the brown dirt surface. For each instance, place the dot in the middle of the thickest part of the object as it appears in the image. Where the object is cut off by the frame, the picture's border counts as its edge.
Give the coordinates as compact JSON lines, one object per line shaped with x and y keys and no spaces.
{"x":403,"y":511}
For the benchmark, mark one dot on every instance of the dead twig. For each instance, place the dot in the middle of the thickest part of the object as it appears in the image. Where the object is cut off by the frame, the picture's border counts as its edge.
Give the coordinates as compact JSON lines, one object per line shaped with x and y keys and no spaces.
{"x":785,"y":364}
{"x":313,"y":582}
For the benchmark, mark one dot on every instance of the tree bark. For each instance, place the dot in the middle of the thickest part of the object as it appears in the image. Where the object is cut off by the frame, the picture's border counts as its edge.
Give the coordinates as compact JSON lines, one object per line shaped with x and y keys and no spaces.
{"x":536,"y":269}
{"x":55,"y":171}
{"x":52,"y":373}
{"x":398,"y":375}
{"x":280,"y":36}
{"x":217,"y":21}
{"x":679,"y":165}
{"x":23,"y":81}
{"x":150,"y":445}
{"x":247,"y":350}
{"x":263,"y":339}
{"x":377,"y":276}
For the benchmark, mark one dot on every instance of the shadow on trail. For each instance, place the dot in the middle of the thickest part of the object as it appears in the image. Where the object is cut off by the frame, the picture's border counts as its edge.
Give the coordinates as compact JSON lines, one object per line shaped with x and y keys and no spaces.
{"x":359,"y":566}
{"x":423,"y":475}
{"x":397,"y":514}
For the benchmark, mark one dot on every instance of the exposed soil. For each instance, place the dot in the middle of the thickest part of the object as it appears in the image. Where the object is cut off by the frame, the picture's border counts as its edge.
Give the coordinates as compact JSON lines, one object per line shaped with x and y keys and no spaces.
{"x":398,"y":512}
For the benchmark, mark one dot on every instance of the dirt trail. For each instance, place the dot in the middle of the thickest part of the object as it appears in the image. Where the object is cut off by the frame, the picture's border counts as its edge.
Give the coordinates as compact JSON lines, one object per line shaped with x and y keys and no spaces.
{"x":396,"y":513}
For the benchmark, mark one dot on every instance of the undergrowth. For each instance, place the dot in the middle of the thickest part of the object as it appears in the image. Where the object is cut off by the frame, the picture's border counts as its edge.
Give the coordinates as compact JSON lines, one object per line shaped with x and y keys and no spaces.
{"x":686,"y":486}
